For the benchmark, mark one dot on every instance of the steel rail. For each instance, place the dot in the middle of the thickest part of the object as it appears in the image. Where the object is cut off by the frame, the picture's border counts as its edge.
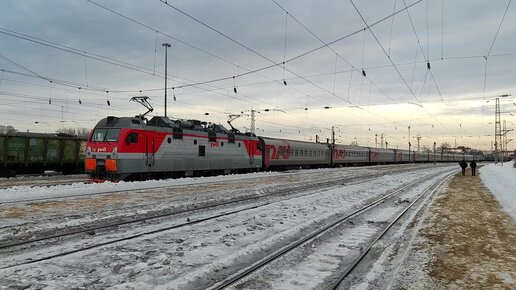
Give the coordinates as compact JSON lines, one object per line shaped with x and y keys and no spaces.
{"x":288,"y":248}
{"x":194,"y":208}
{"x":432,"y":188}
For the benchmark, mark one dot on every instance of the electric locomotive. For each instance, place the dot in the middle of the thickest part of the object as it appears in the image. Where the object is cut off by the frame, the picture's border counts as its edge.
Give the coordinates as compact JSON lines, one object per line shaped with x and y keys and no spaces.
{"x":131,"y":148}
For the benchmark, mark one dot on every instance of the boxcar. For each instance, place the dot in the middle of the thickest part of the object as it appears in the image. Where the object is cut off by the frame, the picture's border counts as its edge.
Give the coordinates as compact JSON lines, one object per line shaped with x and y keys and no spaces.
{"x":22,"y":153}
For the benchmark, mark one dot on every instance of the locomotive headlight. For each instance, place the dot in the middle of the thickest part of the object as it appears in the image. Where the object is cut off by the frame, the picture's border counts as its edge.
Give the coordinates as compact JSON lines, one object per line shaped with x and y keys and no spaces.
{"x":88,"y":149}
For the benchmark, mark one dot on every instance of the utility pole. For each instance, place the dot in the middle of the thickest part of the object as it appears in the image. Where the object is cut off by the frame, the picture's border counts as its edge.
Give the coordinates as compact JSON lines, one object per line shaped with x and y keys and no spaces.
{"x":333,"y":135}
{"x":409,"y":135}
{"x":253,"y":120}
{"x":381,"y":141}
{"x":498,"y":132}
{"x":409,"y":144}
{"x":376,"y":140}
{"x":418,"y":139}
{"x":505,"y":141}
{"x":434,"y":152}
{"x":166,"y":45}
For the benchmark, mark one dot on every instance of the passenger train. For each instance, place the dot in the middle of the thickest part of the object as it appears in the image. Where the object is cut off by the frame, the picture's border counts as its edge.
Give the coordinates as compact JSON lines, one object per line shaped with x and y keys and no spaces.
{"x":133,"y":148}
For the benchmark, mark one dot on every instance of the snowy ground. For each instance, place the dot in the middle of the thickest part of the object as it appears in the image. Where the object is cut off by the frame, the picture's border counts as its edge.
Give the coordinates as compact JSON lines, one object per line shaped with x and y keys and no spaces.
{"x":466,"y":240}
{"x":501,"y":181}
{"x":274,"y":210}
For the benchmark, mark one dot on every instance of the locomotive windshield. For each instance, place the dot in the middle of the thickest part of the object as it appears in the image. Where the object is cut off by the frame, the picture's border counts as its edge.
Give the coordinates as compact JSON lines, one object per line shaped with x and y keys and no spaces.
{"x":105,"y":135}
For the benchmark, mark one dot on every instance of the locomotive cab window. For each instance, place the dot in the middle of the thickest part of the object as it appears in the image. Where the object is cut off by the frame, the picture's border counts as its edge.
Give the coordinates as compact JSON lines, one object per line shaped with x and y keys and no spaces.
{"x":131,"y":138}
{"x":105,"y":135}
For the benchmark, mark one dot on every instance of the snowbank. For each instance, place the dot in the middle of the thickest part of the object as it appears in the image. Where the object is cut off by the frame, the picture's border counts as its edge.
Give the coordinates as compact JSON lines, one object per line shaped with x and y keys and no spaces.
{"x":501,"y":181}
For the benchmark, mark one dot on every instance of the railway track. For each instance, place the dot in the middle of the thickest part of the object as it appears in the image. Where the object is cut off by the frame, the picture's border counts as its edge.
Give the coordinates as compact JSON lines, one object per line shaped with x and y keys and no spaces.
{"x":109,"y":243}
{"x":44,"y":181}
{"x":236,"y":281}
{"x":137,"y":214}
{"x":216,"y":210}
{"x":99,"y":191}
{"x":85,"y":230}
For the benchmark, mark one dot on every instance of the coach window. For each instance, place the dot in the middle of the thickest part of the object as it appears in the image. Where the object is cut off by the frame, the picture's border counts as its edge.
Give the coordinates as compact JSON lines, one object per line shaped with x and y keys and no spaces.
{"x":306,"y":153}
{"x":222,"y":144}
{"x":291,"y":152}
{"x":280,"y":151}
{"x":169,"y":140}
{"x":195,"y":141}
{"x":296,"y":153}
{"x":301,"y":153}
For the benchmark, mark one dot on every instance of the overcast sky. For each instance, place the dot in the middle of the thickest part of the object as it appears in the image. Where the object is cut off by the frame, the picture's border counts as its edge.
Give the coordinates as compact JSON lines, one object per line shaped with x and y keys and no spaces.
{"x":58,"y":59}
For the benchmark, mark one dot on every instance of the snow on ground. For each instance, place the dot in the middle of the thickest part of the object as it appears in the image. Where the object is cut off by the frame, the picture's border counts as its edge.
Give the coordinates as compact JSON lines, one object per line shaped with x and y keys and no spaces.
{"x":212,"y":249}
{"x":20,"y":193}
{"x":501,"y":181}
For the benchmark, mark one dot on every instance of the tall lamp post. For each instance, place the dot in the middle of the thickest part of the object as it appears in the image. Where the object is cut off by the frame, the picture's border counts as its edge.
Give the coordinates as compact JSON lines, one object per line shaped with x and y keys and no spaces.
{"x":166,"y":45}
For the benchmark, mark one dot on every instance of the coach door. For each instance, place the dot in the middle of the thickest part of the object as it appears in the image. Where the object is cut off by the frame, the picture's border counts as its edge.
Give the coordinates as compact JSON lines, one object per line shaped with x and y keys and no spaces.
{"x":251,"y":152}
{"x":149,"y":152}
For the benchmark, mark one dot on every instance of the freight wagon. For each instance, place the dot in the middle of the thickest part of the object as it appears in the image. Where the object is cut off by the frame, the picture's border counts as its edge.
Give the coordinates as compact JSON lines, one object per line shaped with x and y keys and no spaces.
{"x":24,"y":153}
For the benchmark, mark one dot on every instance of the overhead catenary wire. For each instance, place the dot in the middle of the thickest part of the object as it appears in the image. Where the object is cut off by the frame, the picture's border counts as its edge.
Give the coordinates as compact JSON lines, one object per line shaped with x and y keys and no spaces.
{"x":385,"y":52}
{"x":278,"y":64}
{"x":275,"y":63}
{"x":191,"y":46}
{"x":328,"y":45}
{"x":242,"y":82}
{"x":426,"y":57}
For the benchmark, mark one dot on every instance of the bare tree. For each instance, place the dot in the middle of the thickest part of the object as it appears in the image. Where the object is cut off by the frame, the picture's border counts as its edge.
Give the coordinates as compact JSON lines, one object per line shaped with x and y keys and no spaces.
{"x":425,"y":149}
{"x":78,"y":132}
{"x":445,"y":147}
{"x":83,"y":132}
{"x":7,"y":129}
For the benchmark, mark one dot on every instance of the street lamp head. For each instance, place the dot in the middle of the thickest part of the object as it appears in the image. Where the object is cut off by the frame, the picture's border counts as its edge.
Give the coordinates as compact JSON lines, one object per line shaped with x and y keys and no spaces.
{"x":166,"y":45}
{"x":505,"y":95}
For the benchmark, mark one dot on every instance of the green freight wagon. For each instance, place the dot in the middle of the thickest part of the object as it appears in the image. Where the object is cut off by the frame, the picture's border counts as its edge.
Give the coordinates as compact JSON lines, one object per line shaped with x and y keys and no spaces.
{"x":24,"y":153}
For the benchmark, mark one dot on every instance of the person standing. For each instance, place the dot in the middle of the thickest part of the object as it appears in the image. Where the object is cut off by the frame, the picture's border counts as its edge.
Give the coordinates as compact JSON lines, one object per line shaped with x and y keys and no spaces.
{"x":473,"y":166}
{"x":463,"y":164}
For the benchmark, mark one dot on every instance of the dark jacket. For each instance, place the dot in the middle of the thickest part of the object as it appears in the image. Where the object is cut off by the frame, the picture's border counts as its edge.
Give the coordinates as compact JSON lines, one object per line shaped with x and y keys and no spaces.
{"x":464,"y":164}
{"x":473,"y":164}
